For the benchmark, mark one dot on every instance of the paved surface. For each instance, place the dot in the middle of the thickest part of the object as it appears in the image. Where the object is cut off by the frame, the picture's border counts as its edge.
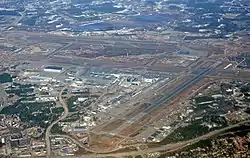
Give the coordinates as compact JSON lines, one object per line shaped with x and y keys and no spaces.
{"x":63,"y":116}
{"x":165,"y":148}
{"x":183,"y":86}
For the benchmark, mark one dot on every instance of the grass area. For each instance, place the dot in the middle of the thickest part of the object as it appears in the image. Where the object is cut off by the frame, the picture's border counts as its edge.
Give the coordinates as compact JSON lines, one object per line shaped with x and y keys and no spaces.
{"x":32,"y":113}
{"x":247,"y":100}
{"x":196,"y":128}
{"x":58,"y":110}
{"x":65,"y":91}
{"x":201,"y":144}
{"x":70,"y":103}
{"x":212,"y":92}
{"x":185,"y":133}
{"x":203,"y":99}
{"x":21,"y":90}
{"x":245,"y":89}
{"x":71,"y":118}
{"x":27,"y":98}
{"x":74,"y":108}
{"x":44,"y":93}
{"x":202,"y":107}
{"x":56,"y":129}
{"x":5,"y":77}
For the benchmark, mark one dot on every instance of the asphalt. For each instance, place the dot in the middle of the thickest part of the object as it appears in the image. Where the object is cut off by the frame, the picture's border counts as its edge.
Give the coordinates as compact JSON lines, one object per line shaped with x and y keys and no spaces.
{"x":171,"y":95}
{"x":165,"y":148}
{"x":63,"y":116}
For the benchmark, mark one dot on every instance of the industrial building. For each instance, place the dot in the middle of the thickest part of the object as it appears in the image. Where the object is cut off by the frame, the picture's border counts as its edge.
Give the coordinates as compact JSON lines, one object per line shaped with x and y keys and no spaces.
{"x":53,"y":69}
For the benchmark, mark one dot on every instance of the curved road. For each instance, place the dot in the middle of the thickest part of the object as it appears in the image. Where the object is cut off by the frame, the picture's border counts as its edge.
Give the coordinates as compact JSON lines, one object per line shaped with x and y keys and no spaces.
{"x":163,"y":148}
{"x":63,"y":116}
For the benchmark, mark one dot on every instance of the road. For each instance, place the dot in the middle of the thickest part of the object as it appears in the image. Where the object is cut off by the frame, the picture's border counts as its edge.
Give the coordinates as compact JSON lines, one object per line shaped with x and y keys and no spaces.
{"x":63,"y":116}
{"x":72,"y":139}
{"x":163,"y":148}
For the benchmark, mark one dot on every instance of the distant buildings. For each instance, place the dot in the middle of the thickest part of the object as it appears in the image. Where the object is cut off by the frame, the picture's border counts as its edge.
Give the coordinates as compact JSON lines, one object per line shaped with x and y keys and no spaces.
{"x":3,"y":148}
{"x":53,"y":69}
{"x":19,"y":141}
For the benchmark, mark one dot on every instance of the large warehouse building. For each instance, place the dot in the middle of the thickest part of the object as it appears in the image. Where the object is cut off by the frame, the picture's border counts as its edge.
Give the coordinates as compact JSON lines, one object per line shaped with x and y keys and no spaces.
{"x":53,"y":69}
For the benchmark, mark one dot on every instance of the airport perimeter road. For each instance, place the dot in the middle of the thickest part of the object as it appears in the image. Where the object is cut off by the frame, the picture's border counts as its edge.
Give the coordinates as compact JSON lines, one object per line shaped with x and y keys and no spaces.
{"x":163,"y":148}
{"x":63,"y":116}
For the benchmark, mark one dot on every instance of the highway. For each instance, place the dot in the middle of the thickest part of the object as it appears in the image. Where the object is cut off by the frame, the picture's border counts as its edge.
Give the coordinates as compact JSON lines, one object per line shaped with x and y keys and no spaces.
{"x":72,"y":139}
{"x":63,"y":116}
{"x":164,"y":148}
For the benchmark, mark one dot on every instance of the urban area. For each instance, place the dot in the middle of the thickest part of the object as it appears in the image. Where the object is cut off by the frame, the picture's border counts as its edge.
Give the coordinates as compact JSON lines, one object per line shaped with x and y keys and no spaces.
{"x":125,"y":79}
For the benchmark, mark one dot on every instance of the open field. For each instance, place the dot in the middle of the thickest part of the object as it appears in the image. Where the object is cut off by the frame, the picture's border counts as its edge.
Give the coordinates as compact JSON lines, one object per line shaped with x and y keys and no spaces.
{"x":112,"y":125}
